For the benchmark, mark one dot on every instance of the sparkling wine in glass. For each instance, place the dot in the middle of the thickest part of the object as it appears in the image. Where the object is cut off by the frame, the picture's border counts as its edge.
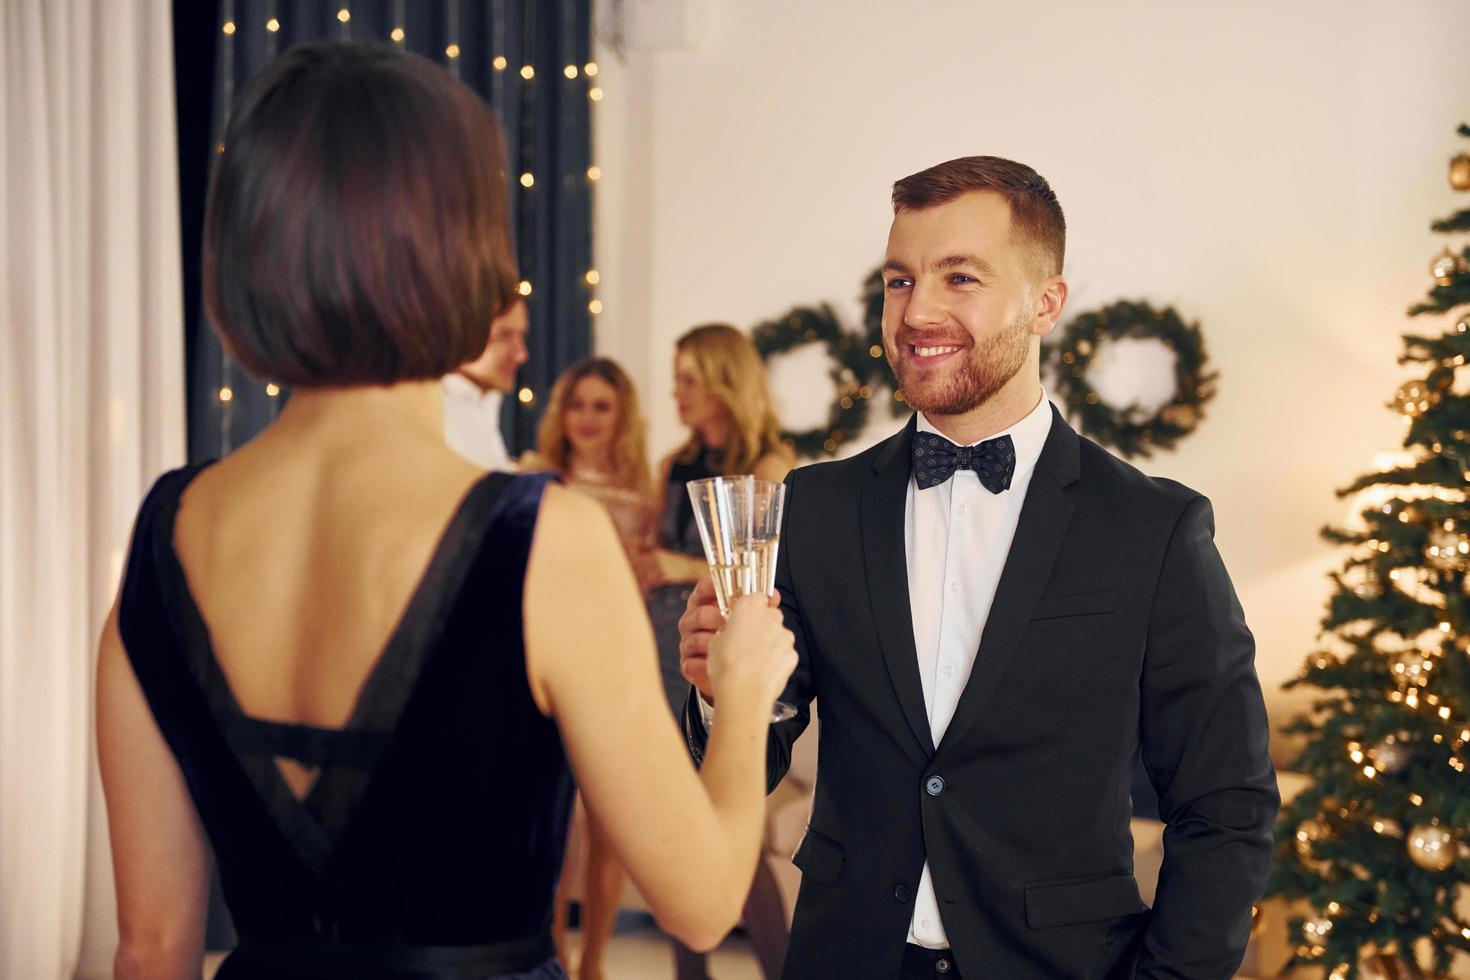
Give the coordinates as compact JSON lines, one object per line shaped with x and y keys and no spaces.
{"x":739,"y":519}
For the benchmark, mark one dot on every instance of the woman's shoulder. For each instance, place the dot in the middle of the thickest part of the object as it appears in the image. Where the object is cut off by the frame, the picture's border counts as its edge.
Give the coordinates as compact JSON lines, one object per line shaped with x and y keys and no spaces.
{"x":532,"y":461}
{"x":774,"y":464}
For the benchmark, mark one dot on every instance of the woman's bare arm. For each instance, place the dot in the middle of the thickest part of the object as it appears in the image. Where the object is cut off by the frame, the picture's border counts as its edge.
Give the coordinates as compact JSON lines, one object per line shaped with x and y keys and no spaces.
{"x":159,"y":857}
{"x":689,"y":840}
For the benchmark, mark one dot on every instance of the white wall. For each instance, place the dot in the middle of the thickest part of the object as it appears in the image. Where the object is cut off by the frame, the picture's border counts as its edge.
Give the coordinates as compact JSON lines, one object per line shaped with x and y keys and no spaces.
{"x":1271,"y":168}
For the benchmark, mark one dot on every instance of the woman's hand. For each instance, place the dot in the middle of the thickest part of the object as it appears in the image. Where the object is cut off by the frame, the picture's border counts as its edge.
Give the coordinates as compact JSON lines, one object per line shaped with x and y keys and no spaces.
{"x":753,"y":656}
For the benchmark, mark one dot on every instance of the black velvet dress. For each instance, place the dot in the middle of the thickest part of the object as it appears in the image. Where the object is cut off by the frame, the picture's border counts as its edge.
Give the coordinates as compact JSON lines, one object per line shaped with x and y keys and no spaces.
{"x":431,"y":842}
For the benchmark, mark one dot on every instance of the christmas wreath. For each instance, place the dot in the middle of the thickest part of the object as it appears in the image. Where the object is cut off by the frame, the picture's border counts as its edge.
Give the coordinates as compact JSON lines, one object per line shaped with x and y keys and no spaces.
{"x":852,"y":369}
{"x":1133,"y":429}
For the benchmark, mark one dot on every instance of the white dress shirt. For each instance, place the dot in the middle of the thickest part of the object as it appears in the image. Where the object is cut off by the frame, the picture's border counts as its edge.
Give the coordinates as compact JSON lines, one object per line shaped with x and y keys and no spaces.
{"x":472,"y":423}
{"x":957,"y":537}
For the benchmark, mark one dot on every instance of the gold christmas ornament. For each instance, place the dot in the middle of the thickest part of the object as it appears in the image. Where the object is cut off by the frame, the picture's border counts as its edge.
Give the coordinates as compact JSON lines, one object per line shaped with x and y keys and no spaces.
{"x":1414,"y":398}
{"x":1431,"y":847}
{"x":1446,"y":266}
{"x":1460,"y":172}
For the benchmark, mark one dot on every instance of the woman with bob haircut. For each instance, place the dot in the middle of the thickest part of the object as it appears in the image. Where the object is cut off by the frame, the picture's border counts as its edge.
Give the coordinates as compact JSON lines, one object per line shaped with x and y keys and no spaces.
{"x":345,"y":656}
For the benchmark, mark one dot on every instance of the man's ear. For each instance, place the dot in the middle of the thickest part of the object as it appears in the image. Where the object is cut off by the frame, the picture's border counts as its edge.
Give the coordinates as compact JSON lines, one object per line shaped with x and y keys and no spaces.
{"x":1051,"y":298}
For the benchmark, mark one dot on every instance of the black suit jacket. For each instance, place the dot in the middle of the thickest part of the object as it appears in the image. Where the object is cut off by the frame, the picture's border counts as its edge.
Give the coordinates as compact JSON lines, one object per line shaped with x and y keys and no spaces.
{"x":1114,"y":631}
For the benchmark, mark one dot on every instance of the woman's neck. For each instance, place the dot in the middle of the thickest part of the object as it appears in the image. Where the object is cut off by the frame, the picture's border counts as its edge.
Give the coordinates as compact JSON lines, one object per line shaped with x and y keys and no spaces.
{"x":715,"y":435}
{"x":599,"y":461}
{"x":408,"y":410}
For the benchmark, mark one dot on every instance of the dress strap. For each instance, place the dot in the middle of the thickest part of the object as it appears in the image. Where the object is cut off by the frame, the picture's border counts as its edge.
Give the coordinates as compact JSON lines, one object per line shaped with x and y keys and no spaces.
{"x":311,"y":746}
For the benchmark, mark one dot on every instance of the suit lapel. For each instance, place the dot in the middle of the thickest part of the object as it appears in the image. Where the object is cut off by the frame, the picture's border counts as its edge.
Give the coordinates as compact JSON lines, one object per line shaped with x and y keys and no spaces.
{"x":1039,"y":535}
{"x":888,"y":584}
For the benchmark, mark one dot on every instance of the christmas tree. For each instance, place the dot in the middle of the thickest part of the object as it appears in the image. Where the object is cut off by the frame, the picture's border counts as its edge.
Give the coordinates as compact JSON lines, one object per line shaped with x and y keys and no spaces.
{"x":1377,"y":846}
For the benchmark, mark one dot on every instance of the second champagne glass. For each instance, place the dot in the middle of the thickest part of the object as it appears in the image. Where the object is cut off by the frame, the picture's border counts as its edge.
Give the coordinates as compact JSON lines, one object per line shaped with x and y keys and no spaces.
{"x":739,"y":519}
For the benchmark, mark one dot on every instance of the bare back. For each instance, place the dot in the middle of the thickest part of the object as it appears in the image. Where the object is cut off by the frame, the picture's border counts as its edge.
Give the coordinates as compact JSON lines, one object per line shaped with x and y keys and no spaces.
{"x":302,"y":566}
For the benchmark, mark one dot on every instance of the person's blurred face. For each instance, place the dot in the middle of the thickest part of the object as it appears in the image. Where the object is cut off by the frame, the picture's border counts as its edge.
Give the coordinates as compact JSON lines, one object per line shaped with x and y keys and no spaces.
{"x":697,"y":408}
{"x":591,"y":416}
{"x":959,"y":310}
{"x":496,"y":368}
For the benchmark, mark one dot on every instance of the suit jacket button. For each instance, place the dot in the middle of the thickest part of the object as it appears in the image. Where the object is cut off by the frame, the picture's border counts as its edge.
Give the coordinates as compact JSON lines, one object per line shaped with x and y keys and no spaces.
{"x":902,"y":893}
{"x":934,"y":785}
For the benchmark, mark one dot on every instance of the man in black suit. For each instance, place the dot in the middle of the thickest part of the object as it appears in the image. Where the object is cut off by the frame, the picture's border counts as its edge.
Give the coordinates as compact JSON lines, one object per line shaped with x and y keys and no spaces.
{"x":998,"y":618}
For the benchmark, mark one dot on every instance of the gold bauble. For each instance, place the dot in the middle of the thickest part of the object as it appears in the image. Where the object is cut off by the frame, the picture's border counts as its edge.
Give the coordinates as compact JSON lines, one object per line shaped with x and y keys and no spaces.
{"x":1414,"y":398}
{"x":1446,"y":266}
{"x":1460,"y":172}
{"x":1432,"y":847}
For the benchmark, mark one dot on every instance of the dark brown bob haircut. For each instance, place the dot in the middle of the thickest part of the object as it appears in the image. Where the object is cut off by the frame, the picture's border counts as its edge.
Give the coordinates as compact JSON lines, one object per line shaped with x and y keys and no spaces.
{"x":357,"y":229}
{"x":1036,"y":216}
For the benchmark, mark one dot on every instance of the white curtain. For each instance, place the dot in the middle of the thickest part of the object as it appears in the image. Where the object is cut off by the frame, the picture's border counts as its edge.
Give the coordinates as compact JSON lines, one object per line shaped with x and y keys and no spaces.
{"x":91,"y":410}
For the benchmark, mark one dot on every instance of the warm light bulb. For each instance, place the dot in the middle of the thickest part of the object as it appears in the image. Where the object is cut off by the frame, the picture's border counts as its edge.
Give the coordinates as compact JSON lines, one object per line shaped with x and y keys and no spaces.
{"x":570,"y":71}
{"x":595,"y":94}
{"x":592,"y":277}
{"x":594,"y":307}
{"x":225,"y":394}
{"x":344,"y":15}
{"x":273,"y":25}
{"x":591,"y":69}
{"x":528,"y":180}
{"x":397,"y":35}
{"x":272,"y":390}
{"x":229,"y":27}
{"x":526,"y":395}
{"x":500,"y":62}
{"x":524,"y":288}
{"x":452,"y":51}
{"x":528,"y":73}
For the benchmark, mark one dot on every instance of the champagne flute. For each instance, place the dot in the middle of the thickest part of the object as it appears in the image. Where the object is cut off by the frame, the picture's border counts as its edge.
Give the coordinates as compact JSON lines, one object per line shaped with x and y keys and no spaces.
{"x":739,"y":519}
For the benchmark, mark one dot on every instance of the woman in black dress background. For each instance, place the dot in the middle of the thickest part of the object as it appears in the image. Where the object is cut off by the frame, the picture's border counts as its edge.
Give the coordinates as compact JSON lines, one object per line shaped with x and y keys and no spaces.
{"x":724,"y":400}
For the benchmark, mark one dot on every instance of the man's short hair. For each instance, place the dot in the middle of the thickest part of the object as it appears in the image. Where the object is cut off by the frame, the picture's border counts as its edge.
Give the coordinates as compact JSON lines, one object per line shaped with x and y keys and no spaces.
{"x":357,"y":228}
{"x":1036,"y":216}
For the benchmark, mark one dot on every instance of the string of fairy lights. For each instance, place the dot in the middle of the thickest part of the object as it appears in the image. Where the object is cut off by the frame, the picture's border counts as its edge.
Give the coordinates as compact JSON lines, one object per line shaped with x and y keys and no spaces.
{"x":574,"y":73}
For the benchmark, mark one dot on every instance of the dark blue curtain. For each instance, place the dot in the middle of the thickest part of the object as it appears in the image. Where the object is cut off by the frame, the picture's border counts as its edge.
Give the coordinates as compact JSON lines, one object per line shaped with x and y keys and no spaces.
{"x":528,"y":59}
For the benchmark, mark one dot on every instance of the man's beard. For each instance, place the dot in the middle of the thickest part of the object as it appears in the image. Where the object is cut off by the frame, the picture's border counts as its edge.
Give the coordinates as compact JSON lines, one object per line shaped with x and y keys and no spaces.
{"x":984,"y":371}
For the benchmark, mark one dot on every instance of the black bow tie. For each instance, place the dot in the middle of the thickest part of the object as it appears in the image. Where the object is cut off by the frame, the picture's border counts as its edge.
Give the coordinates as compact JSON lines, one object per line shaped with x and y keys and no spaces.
{"x":936,"y":459}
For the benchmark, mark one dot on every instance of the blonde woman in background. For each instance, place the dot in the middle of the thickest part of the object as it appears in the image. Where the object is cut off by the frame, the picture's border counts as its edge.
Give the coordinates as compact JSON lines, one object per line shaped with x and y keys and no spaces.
{"x":724,"y":401}
{"x":593,"y":435}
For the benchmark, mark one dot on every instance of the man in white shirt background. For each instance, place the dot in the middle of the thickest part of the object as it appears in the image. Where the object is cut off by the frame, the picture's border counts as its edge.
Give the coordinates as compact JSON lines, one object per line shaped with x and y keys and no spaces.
{"x":474,"y":393}
{"x":1000,"y":619}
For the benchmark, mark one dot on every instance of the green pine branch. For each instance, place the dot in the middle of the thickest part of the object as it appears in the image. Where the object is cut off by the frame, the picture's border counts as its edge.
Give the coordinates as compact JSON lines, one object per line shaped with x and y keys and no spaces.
{"x":1457,"y":222}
